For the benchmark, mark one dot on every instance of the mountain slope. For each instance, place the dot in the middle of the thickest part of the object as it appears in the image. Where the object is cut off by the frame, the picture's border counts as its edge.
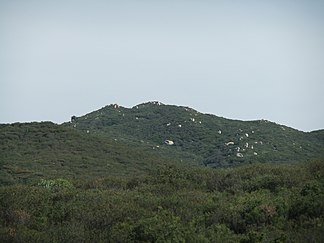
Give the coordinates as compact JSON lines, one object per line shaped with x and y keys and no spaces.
{"x":119,"y":141}
{"x":205,"y":138}
{"x":30,"y":151}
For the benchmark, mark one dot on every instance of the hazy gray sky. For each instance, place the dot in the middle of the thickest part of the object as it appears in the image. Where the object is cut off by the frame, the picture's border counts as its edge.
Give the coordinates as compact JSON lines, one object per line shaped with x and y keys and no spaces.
{"x":237,"y":59}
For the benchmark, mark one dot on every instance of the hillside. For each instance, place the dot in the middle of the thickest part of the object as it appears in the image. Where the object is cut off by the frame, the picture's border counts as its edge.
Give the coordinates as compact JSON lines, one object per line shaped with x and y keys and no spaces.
{"x":118,"y":141}
{"x":207,"y":139}
{"x":30,"y":151}
{"x":143,"y":174}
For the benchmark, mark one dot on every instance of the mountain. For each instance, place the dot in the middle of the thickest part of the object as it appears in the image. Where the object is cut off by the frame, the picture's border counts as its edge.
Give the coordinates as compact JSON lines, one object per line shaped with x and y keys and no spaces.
{"x":115,"y":140}
{"x":207,"y":139}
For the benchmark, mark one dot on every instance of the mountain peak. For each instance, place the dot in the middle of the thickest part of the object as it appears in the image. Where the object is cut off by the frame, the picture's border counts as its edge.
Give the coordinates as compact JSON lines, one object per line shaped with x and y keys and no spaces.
{"x":149,"y":103}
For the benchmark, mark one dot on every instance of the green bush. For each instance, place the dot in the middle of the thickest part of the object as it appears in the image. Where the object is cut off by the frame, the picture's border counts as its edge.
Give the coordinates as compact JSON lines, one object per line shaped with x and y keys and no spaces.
{"x":56,"y":184}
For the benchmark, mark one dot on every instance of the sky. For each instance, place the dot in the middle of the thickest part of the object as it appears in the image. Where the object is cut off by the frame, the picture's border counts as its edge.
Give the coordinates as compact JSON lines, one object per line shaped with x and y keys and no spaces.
{"x":237,"y":59}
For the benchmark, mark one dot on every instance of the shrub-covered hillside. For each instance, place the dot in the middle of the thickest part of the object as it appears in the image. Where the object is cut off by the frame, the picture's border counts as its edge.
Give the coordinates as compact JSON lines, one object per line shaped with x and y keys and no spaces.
{"x":211,"y":140}
{"x":140,"y":175}
{"x":31,"y":151}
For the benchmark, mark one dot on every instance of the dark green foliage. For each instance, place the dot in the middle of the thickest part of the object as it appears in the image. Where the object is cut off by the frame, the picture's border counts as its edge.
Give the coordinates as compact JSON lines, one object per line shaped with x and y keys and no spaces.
{"x":202,"y":137}
{"x":109,"y":177}
{"x":29,"y":152}
{"x":171,"y":204}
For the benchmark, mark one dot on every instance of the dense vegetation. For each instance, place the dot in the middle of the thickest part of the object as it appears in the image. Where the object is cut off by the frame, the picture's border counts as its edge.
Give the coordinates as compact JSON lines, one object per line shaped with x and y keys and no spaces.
{"x":32,"y":151}
{"x":208,"y":139}
{"x":109,"y":177}
{"x":255,"y":203}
